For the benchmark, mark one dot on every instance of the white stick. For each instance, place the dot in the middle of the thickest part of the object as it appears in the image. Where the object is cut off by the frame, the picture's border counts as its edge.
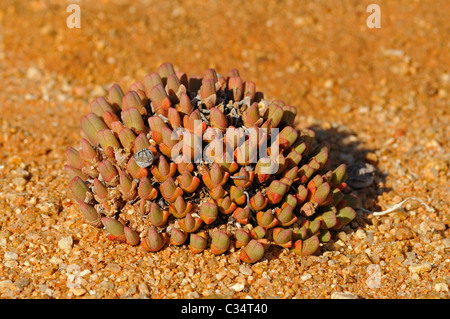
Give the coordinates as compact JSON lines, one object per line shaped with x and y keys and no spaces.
{"x":397,"y":207}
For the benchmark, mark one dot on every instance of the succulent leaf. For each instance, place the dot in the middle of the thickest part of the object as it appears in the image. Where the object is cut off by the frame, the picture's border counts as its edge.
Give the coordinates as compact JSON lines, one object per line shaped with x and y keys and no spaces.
{"x":133,"y":120}
{"x":160,"y":100}
{"x":220,"y":241}
{"x":345,"y":215}
{"x":197,"y":242}
{"x":74,"y":158}
{"x":113,"y":226}
{"x":241,"y":215}
{"x":253,"y":251}
{"x":208,"y":212}
{"x":237,"y":195}
{"x":170,"y":191}
{"x":266,"y":219}
{"x":258,"y":202}
{"x":146,"y":189}
{"x":131,"y":236}
{"x":276,"y":191}
{"x":157,"y":216}
{"x":90,"y":214}
{"x":115,"y":97}
{"x":283,"y":237}
{"x":180,"y":208}
{"x":258,"y":232}
{"x":306,"y":247}
{"x":79,"y":189}
{"x":242,"y":237}
{"x":154,"y":241}
{"x":189,"y":223}
{"x":286,"y":216}
{"x":90,"y":125}
{"x":177,"y":237}
{"x":226,"y":205}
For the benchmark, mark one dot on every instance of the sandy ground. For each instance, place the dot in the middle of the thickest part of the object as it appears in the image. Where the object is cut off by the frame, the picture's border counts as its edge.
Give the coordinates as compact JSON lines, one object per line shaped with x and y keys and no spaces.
{"x":377,"y":95}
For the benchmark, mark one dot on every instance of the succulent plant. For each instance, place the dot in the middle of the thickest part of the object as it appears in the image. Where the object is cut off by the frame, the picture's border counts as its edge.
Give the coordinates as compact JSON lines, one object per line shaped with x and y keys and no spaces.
{"x":205,"y":161}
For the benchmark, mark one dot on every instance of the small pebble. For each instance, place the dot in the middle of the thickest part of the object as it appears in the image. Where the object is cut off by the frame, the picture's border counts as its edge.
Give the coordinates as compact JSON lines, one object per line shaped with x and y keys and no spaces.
{"x":442,"y":286}
{"x":115,"y":268}
{"x":33,"y":73}
{"x":220,"y":275}
{"x":98,"y":91}
{"x":5,"y":284}
{"x":245,"y":270}
{"x":360,"y":233}
{"x":85,"y":272}
{"x":370,"y":237}
{"x":446,"y":242}
{"x":9,"y":255}
{"x":344,"y":295}
{"x":65,"y":243}
{"x":420,"y":268}
{"x":238,"y":287}
{"x":78,"y":291}
{"x":403,"y":232}
{"x":305,"y":277}
{"x":436,"y":225}
{"x":411,"y":256}
{"x":21,"y":283}
{"x":342,"y":236}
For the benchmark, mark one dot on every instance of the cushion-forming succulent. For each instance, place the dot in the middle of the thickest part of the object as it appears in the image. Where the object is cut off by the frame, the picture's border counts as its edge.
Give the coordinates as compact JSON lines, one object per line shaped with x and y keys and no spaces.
{"x":205,"y":161}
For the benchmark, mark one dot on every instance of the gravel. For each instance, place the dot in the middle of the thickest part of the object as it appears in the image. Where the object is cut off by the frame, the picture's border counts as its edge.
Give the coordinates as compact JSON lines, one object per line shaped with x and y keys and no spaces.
{"x":386,"y":109}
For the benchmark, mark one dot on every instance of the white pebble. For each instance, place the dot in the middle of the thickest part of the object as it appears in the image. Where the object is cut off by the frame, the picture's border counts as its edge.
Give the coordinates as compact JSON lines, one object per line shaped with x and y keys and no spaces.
{"x":85,"y":272}
{"x":78,"y":291}
{"x":9,"y":255}
{"x":33,"y":73}
{"x":238,"y":287}
{"x":420,"y":268}
{"x":442,"y":286}
{"x":220,"y":275}
{"x":245,"y":270}
{"x":65,"y":243}
{"x":306,"y":277}
{"x":446,"y":242}
{"x":360,"y":234}
{"x":344,"y":295}
{"x":5,"y":284}
{"x":73,"y":269}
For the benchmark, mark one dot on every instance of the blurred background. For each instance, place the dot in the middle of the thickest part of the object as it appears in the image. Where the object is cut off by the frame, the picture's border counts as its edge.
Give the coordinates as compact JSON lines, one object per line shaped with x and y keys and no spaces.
{"x":319,"y":55}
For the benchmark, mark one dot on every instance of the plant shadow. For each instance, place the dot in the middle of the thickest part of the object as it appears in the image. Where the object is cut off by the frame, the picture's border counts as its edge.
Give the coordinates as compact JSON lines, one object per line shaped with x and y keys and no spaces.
{"x":345,"y":148}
